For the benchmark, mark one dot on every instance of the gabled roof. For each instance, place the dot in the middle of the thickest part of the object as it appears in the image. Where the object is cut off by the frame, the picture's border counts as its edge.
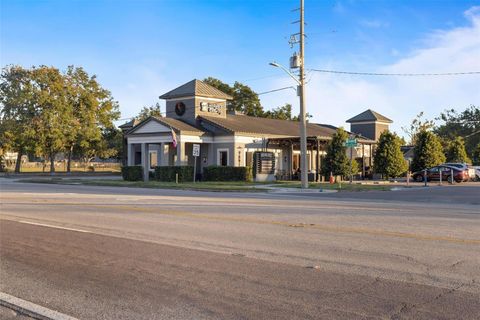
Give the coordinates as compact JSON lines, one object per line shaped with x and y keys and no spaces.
{"x":369,"y":115}
{"x":175,"y":124}
{"x":196,"y":88}
{"x":241,"y":124}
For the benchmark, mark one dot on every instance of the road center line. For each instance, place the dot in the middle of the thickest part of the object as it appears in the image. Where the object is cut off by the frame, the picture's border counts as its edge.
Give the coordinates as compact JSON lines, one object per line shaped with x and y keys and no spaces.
{"x":52,"y":226}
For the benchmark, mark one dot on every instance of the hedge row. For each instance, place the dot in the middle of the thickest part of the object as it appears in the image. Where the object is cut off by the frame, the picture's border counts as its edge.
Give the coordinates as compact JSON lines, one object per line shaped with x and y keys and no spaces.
{"x":185,"y":173}
{"x":132,"y":173}
{"x":168,"y":173}
{"x":220,"y":173}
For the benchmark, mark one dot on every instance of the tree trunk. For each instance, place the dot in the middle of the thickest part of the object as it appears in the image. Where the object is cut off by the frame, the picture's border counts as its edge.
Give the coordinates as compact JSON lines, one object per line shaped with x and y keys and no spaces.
{"x":69,"y":159}
{"x":52,"y":163}
{"x":19,"y":161}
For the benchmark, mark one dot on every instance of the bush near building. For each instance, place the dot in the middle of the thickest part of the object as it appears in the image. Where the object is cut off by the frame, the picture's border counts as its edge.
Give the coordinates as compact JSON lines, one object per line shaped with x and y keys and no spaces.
{"x":168,"y":173}
{"x":336,"y":161}
{"x":132,"y":173}
{"x":428,"y":151}
{"x":221,"y":173}
{"x":388,"y":159}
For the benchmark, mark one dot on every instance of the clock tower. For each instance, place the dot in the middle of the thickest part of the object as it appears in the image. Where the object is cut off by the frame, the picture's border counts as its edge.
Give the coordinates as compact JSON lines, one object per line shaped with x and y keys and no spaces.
{"x":193,"y":99}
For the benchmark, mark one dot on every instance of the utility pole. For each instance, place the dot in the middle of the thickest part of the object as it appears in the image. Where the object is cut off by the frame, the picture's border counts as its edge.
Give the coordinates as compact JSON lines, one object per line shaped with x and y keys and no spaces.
{"x":303,"y":120}
{"x":298,"y":61}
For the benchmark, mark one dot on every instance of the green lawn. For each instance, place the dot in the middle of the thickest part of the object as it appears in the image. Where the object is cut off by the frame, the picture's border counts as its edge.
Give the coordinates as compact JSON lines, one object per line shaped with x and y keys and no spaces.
{"x":208,"y":186}
{"x":201,"y":186}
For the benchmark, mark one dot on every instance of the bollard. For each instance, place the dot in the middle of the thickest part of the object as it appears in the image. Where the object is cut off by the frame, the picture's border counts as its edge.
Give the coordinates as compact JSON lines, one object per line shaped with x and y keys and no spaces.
{"x":176,"y":178}
{"x":451,"y":176}
{"x":425,"y":177}
{"x":441,"y":173}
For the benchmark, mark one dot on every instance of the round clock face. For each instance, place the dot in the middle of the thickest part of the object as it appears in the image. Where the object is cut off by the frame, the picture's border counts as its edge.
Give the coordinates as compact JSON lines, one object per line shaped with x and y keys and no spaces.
{"x":180,"y":108}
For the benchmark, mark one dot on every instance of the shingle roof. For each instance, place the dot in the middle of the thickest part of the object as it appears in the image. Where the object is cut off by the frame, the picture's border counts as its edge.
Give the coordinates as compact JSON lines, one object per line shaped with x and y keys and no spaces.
{"x":264,"y":126}
{"x":196,"y":88}
{"x":175,"y":124}
{"x":369,"y":115}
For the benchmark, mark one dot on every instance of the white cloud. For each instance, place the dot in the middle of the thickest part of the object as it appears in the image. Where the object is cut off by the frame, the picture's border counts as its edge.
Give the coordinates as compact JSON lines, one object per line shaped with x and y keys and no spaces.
{"x":335,"y":98}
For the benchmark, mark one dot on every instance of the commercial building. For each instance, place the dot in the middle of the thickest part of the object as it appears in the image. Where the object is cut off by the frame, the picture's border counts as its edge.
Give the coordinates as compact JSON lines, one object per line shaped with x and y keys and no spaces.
{"x":196,"y":113}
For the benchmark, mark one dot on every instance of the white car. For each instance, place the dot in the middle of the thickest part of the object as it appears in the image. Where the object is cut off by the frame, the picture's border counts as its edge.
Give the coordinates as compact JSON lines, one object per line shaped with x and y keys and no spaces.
{"x":472,"y":173}
{"x":477,"y":172}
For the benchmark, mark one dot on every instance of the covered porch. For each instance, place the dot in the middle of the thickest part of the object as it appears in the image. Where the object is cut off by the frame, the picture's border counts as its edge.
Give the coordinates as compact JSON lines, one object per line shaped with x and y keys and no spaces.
{"x":160,"y":151}
{"x":316,"y":151}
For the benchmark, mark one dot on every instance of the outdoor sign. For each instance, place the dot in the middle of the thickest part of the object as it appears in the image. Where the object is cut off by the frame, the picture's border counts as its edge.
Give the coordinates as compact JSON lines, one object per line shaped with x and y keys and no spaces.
{"x":350,"y":143}
{"x":195,"y":153}
{"x":265,"y":162}
{"x":196,"y":150}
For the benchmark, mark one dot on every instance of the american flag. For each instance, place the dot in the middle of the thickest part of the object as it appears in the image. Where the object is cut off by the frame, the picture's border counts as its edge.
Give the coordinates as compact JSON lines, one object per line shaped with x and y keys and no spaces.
{"x":174,"y":138}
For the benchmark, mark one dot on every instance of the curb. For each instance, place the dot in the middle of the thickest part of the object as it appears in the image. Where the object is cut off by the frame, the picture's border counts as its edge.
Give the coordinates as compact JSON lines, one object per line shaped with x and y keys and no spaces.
{"x":30,"y":309}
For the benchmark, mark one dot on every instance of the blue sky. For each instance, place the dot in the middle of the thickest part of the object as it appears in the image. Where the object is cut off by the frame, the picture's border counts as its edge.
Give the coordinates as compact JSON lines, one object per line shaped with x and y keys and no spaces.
{"x":141,"y":49}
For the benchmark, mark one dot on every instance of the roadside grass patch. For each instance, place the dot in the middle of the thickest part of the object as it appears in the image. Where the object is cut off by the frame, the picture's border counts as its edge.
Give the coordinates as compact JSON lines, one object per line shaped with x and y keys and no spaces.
{"x":197,"y":186}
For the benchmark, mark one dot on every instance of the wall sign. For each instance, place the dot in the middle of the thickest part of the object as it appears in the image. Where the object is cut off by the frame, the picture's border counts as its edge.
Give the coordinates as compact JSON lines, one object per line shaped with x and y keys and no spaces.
{"x":211,"y":107}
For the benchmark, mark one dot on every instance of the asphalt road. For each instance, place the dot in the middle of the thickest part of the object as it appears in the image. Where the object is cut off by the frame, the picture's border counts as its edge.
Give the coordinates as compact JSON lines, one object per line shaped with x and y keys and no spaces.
{"x":121,"y":253}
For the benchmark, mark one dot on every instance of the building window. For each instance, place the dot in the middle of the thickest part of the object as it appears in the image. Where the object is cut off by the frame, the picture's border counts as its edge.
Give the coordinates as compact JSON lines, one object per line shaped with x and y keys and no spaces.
{"x":222,"y":157}
{"x":153,"y":159}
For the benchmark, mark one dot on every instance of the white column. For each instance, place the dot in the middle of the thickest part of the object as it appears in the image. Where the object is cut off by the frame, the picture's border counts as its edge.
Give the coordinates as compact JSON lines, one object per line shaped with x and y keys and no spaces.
{"x":145,"y":161}
{"x":180,"y":153}
{"x":163,"y":154}
{"x":130,"y":154}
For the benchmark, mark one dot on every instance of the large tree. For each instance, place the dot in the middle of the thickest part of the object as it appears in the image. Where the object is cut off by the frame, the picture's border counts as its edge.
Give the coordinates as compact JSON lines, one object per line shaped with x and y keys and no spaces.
{"x":94,"y":112}
{"x":17,"y":111}
{"x":465,"y":124}
{"x":476,"y":155}
{"x":283,"y":113}
{"x":51,"y":127}
{"x":244,"y":100}
{"x":46,"y":112}
{"x":417,"y":126}
{"x":336,"y":160}
{"x":427,"y":151}
{"x":153,"y":110}
{"x":456,"y":151}
{"x":220,"y":85}
{"x":388,"y":159}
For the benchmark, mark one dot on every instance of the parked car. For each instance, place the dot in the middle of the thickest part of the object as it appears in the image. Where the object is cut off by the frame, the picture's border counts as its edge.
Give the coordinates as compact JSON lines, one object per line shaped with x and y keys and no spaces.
{"x":433,"y":173}
{"x":464,"y":166}
{"x":477,"y":172}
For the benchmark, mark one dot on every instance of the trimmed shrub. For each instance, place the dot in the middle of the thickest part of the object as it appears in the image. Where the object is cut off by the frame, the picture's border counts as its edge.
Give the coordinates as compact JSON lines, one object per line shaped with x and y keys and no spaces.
{"x":221,"y":173}
{"x":132,"y":173}
{"x":167,"y":173}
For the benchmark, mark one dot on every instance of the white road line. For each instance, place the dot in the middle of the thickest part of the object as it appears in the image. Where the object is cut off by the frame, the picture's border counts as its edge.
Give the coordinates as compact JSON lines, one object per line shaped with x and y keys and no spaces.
{"x":31,"y":309}
{"x":52,"y":226}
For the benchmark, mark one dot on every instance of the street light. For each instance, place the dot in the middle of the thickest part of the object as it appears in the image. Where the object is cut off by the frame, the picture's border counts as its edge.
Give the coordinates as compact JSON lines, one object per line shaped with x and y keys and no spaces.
{"x":278,"y":65}
{"x":303,"y":122}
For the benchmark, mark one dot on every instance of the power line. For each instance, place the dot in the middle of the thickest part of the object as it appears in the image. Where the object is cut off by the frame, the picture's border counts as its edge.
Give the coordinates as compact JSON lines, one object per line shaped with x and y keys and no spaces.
{"x":275,"y":90}
{"x":397,"y":74}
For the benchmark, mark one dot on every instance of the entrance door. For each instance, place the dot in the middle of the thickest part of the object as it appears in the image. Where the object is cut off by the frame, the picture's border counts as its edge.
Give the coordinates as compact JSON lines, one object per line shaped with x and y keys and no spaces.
{"x":296,"y":162}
